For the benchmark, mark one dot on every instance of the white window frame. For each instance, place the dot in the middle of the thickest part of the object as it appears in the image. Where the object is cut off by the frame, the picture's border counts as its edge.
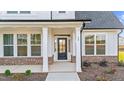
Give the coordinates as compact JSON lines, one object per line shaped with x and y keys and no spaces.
{"x":62,"y":12}
{"x":8,"y":45}
{"x":18,"y":12}
{"x":35,"y":44}
{"x":22,"y":45}
{"x":10,"y":12}
{"x":96,"y":34}
{"x":26,"y":12}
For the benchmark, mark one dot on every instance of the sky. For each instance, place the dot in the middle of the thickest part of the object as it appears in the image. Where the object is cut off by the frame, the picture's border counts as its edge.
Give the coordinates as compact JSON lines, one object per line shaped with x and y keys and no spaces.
{"x":120,"y":16}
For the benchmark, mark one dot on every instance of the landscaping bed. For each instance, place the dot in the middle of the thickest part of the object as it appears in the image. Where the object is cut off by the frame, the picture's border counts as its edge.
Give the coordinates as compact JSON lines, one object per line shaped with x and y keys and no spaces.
{"x":95,"y":72}
{"x":23,"y":77}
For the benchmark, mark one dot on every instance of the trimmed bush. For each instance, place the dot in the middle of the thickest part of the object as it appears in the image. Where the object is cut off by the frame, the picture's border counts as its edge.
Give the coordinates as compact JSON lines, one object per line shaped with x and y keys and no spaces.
{"x":103,"y":63}
{"x":86,"y":64}
{"x":28,"y":72}
{"x":7,"y":72}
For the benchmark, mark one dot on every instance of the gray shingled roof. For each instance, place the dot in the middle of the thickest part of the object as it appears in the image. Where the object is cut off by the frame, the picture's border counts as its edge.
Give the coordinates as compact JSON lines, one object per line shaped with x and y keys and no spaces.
{"x":100,"y":19}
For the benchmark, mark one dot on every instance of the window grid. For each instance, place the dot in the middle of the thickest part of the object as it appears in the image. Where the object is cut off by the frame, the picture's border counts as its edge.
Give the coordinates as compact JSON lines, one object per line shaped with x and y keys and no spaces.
{"x":95,"y":44}
{"x":9,"y":47}
{"x":22,"y":44}
{"x":35,"y":44}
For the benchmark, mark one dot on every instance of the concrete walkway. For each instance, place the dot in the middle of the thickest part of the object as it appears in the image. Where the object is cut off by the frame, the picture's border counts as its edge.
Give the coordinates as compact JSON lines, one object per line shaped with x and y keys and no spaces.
{"x":21,"y":68}
{"x":70,"y":76}
{"x":62,"y":67}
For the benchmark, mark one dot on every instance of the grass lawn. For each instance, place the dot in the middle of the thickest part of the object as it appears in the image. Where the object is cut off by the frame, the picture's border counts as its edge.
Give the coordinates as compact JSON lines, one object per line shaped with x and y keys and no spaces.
{"x":121,"y":56}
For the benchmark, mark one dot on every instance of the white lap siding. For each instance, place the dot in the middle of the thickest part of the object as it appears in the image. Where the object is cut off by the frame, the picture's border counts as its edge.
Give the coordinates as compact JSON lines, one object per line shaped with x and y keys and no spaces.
{"x":111,"y":41}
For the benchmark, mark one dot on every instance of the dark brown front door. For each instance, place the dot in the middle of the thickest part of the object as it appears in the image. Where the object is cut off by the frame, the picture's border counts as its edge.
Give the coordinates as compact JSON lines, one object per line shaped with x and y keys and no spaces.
{"x":62,"y":48}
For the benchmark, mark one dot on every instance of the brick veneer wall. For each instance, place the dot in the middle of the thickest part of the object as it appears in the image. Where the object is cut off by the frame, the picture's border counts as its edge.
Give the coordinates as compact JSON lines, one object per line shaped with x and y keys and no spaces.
{"x":100,"y":58}
{"x":97,"y":58}
{"x":24,"y":61}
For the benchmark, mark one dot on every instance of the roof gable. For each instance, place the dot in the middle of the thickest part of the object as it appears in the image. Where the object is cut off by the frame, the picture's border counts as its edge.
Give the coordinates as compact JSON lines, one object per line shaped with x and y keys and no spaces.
{"x":100,"y":19}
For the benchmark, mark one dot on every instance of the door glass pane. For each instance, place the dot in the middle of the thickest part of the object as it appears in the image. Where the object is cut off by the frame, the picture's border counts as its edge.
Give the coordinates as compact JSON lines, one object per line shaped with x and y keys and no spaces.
{"x":62,"y":46}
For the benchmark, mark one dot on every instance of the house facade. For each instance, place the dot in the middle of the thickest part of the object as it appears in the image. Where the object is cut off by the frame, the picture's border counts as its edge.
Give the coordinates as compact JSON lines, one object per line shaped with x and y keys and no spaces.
{"x":46,"y":37}
{"x":121,"y":43}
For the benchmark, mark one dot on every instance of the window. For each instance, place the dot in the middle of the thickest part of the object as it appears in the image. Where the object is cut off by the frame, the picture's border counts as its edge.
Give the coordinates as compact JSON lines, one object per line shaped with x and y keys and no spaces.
{"x":89,"y":45}
{"x":22,"y":44}
{"x":100,"y":44}
{"x":62,"y":11}
{"x":35,"y":45}
{"x":8,"y":44}
{"x":95,"y":44}
{"x":25,"y":12}
{"x":12,"y":12}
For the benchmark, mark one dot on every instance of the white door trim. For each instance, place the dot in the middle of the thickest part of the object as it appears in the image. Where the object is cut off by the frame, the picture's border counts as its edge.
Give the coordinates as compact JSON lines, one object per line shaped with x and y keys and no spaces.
{"x":56,"y":48}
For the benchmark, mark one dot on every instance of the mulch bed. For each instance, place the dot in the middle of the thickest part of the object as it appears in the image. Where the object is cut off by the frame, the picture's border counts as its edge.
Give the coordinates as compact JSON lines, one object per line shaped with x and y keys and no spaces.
{"x":112,"y":72}
{"x":23,"y":77}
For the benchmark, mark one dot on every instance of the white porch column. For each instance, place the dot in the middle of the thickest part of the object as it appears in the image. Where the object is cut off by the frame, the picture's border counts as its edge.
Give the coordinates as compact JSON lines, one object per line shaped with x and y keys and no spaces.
{"x":1,"y":46}
{"x":45,"y":50}
{"x":29,"y":45}
{"x":78,"y":51}
{"x":15,"y":45}
{"x":74,"y":43}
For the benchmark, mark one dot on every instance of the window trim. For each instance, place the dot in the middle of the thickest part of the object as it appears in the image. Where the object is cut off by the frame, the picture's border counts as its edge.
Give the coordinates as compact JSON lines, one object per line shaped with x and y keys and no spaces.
{"x":62,"y":12}
{"x":9,"y":45}
{"x":12,"y":12}
{"x":96,"y":34}
{"x":23,"y":45}
{"x":25,"y":12}
{"x":33,"y":45}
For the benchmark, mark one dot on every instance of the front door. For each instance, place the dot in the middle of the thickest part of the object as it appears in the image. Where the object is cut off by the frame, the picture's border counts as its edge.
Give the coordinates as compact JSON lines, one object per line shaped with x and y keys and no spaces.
{"x":62,"y":48}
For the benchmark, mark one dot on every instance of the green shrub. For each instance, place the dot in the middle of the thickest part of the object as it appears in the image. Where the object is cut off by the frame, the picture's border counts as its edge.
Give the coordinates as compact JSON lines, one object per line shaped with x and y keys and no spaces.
{"x":28,"y":72}
{"x":7,"y":72}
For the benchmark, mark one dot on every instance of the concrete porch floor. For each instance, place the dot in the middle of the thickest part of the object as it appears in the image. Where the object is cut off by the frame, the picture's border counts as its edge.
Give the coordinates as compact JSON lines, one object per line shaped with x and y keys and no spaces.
{"x":62,"y":67}
{"x":55,"y":67}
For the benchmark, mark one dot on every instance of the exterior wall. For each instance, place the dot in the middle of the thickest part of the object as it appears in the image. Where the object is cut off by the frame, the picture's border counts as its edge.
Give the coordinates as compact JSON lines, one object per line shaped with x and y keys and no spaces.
{"x":121,"y":40}
{"x":66,"y":15}
{"x":96,"y":58}
{"x":111,"y":41}
{"x":44,"y":15}
{"x":100,"y":58}
{"x":24,"y":60}
{"x":111,"y":45}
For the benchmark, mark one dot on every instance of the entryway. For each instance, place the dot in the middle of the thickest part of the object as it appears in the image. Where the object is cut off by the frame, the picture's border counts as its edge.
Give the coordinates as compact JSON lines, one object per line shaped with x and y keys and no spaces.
{"x":62,"y":48}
